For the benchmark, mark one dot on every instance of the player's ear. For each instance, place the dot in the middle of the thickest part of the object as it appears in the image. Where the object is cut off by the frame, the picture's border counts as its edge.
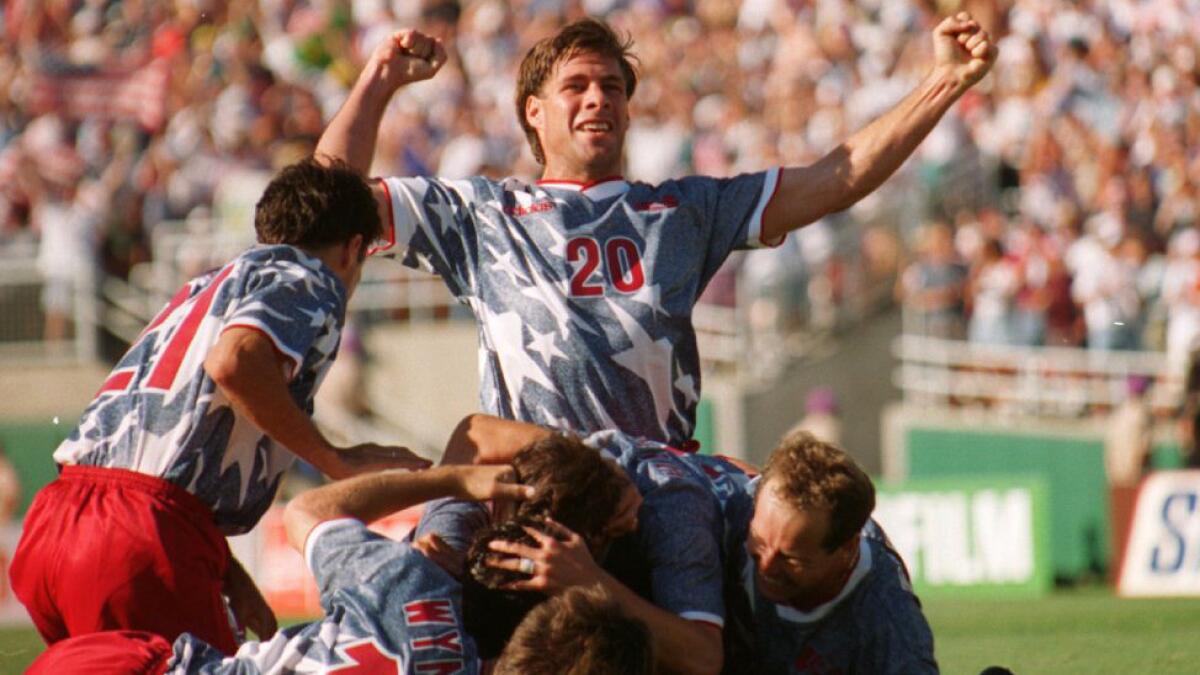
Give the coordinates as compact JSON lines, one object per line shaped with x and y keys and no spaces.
{"x":535,"y":112}
{"x":353,"y":251}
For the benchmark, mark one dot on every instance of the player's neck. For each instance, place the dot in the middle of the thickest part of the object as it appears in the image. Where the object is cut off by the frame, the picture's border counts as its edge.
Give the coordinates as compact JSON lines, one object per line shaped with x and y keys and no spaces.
{"x":563,"y":172}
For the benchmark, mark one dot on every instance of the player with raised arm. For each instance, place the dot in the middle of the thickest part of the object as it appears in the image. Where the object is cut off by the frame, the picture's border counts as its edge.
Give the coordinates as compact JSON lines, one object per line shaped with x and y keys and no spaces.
{"x":388,"y":608}
{"x":187,"y":439}
{"x":583,"y":284}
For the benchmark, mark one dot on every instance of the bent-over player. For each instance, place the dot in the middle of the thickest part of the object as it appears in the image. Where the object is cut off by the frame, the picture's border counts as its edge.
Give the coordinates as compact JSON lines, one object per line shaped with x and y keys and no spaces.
{"x":583,"y":284}
{"x":186,"y":440}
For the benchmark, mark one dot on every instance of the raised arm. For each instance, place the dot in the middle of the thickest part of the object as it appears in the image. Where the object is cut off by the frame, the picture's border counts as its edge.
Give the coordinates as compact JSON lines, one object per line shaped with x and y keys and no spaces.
{"x":373,"y":496}
{"x":964,"y":53}
{"x":408,"y":56}
{"x":249,"y":371}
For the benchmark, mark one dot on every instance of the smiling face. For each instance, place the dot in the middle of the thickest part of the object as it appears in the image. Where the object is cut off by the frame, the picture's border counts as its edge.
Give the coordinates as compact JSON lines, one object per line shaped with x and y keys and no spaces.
{"x":791,"y":564}
{"x":581,"y":115}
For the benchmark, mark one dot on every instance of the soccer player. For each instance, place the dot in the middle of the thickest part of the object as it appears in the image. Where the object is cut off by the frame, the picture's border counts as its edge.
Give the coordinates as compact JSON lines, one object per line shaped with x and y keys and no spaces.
{"x":388,"y":608}
{"x":659,"y":557}
{"x":186,"y":440}
{"x":827,"y":591}
{"x":583,"y":284}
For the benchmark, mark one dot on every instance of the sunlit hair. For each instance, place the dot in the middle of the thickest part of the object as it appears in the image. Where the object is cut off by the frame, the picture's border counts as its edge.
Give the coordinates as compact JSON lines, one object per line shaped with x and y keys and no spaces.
{"x":810,"y":474}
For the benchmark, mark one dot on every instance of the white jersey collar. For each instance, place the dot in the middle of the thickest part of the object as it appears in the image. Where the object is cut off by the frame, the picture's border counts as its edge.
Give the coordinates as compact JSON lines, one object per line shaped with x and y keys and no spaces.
{"x":596,"y":190}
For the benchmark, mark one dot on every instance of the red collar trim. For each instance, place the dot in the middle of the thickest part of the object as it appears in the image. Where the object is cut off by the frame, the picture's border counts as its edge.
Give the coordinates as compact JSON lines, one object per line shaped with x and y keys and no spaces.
{"x":577,"y":185}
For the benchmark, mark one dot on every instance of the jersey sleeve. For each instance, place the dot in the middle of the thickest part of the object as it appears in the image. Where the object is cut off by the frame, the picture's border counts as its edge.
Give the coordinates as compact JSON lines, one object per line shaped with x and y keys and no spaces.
{"x":455,"y":521}
{"x":297,"y":308}
{"x":679,"y":530}
{"x":732,"y":210}
{"x":432,"y":227}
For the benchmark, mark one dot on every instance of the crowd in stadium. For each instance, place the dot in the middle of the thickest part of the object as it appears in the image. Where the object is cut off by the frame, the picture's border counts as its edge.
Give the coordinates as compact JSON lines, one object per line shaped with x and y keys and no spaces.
{"x":1057,"y":202}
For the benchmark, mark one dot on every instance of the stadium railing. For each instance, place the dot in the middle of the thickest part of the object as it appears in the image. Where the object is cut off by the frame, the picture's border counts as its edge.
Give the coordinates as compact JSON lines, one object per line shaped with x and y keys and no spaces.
{"x":1042,"y":381}
{"x":21,"y":329}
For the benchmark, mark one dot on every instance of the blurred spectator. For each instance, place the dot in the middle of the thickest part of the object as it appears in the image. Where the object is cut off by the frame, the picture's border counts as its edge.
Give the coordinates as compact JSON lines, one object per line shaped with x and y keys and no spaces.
{"x":931,"y":289}
{"x":822,"y":417}
{"x":1127,"y":454}
{"x":992,"y":285}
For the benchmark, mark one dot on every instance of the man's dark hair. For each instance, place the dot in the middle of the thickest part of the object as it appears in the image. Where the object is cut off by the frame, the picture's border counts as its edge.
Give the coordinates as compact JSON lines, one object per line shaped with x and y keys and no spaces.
{"x":581,"y":632}
{"x":575,"y":485}
{"x":810,"y":474}
{"x":313,"y":204}
{"x":590,"y":36}
{"x":577,"y":488}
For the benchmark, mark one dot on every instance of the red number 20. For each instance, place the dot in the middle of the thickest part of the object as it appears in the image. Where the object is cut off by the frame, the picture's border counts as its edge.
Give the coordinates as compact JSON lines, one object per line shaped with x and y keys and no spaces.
{"x":622,"y":261}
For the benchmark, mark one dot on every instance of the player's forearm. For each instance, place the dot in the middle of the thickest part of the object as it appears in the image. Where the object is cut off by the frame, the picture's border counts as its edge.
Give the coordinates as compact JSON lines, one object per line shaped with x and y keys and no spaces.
{"x":874,"y":153}
{"x":682,"y":646}
{"x":352,"y":132}
{"x":863,"y":162}
{"x":485,"y":439}
{"x":368,"y":497}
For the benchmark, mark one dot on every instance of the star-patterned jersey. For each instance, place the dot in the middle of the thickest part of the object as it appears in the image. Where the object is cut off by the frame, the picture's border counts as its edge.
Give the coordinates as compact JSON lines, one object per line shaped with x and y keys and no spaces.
{"x":388,"y":609}
{"x":680,"y":525}
{"x":159,"y":413}
{"x":583,"y":294}
{"x":874,"y":625}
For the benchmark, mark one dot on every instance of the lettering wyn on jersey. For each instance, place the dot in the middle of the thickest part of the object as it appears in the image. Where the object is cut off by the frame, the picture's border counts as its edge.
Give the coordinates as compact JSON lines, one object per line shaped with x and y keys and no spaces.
{"x":583,"y":294}
{"x":160,"y":414}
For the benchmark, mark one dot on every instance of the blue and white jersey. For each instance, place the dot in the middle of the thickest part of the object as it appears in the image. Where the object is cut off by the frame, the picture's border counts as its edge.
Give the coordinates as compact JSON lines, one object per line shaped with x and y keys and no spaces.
{"x":679,"y":525}
{"x":874,"y":625}
{"x":388,"y":609}
{"x":159,"y":413}
{"x":583,"y":294}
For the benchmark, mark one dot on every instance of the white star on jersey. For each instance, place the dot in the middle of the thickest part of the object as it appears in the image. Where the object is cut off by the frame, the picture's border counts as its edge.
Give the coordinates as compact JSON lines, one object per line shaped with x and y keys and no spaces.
{"x":544,"y":345}
{"x":651,"y":357}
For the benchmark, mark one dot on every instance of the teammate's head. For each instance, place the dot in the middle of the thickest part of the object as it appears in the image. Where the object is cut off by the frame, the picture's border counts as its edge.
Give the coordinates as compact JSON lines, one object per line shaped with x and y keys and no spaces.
{"x":572,"y":99}
{"x":319,"y":206}
{"x":579,"y":632}
{"x":809,"y":509}
{"x":576,"y":487}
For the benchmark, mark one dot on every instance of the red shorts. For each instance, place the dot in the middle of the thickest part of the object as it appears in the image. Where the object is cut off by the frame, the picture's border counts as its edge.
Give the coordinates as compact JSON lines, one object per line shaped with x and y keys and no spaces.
{"x":110,"y":549}
{"x":124,"y":651}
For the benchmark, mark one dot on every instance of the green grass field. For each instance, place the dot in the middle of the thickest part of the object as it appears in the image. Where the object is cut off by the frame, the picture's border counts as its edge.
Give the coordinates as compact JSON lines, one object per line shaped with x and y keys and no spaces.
{"x":1080,"y":631}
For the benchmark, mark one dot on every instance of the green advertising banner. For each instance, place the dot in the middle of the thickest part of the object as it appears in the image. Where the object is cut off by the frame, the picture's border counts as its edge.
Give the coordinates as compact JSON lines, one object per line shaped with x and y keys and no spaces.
{"x":971,"y":536}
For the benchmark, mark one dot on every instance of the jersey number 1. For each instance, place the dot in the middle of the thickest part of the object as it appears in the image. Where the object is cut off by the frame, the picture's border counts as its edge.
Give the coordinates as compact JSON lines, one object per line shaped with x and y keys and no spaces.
{"x":622,"y":262}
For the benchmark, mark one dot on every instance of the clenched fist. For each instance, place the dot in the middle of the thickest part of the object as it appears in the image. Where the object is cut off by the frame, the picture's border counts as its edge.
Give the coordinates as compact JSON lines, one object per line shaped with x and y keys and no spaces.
{"x":963,"y":48}
{"x":409,"y":56}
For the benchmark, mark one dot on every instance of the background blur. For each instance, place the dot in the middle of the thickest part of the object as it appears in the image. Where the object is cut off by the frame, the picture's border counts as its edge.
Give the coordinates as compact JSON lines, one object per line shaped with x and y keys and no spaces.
{"x":1001,"y":333}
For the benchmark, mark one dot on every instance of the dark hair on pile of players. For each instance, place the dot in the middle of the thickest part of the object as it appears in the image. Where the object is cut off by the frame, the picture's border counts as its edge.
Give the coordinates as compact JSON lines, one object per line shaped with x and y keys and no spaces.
{"x":577,"y":488}
{"x":581,"y":632}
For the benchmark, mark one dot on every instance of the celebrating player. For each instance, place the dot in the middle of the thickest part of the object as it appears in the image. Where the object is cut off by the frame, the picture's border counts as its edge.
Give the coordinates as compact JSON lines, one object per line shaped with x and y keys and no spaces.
{"x":388,"y":608}
{"x":583,"y":284}
{"x":187,"y":438}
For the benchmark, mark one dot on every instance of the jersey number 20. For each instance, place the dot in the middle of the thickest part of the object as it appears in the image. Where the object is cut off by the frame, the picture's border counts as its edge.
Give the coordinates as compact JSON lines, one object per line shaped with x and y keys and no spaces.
{"x":621,"y":260}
